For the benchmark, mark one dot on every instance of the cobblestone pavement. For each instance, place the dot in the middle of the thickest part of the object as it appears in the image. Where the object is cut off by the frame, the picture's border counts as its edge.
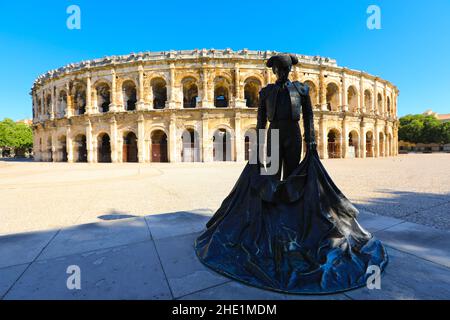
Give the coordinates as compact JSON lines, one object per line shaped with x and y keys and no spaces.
{"x":130,"y":227}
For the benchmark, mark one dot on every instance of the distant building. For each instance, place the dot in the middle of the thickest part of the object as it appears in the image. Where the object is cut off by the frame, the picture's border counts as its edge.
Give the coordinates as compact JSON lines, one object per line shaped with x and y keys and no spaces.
{"x":440,"y":117}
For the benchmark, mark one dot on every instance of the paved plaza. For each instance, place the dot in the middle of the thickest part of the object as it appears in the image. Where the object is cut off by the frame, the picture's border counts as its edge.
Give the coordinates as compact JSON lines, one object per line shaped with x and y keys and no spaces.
{"x":131,"y":227}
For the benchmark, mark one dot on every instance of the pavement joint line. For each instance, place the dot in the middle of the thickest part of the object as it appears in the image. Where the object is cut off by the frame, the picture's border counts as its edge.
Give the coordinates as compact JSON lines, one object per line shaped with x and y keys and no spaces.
{"x":159,"y":259}
{"x":93,"y":251}
{"x":416,"y":256}
{"x":391,"y":226}
{"x":207,"y":288}
{"x":29,"y":265}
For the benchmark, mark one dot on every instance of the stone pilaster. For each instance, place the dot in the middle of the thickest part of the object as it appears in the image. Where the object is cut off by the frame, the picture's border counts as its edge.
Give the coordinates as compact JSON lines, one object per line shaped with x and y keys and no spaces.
{"x":172,"y":138}
{"x":114,"y":140}
{"x":141,"y":139}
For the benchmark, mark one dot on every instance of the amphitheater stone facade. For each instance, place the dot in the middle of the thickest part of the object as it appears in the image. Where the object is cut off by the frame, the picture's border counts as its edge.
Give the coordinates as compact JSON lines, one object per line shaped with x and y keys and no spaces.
{"x":180,"y":105}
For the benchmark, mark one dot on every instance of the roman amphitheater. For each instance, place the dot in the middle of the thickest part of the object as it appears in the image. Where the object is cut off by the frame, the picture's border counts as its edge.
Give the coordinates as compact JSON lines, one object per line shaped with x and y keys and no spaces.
{"x":200,"y":105}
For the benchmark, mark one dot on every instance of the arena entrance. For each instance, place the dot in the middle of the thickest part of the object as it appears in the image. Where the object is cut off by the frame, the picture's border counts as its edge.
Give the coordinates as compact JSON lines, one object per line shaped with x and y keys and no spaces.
{"x":190,"y":151}
{"x":104,"y":148}
{"x":63,"y":148}
{"x":81,"y":148}
{"x":159,"y":146}
{"x":130,"y":150}
{"x":353,"y":150}
{"x":334,"y":150}
{"x":369,"y":144}
{"x":221,"y":145}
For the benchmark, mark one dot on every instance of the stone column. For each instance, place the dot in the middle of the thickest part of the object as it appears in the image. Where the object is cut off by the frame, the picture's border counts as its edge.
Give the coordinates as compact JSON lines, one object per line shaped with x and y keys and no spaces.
{"x":362,"y":140}
{"x":385,"y":101}
{"x":89,"y":146}
{"x":344,"y":139}
{"x":94,"y":101}
{"x":240,"y":145}
{"x":323,"y":147}
{"x":52,"y":104}
{"x":69,"y":104}
{"x":205,"y":89}
{"x":69,"y":145}
{"x":113,"y":140}
{"x":322,"y":91}
{"x":173,"y":138}
{"x":361,"y":107}
{"x":239,"y":99}
{"x":141,"y":139}
{"x":344,"y":100}
{"x":172,"y":103}
{"x":113,"y":104}
{"x":376,"y":143}
{"x":141,"y":101}
{"x":205,"y":143}
{"x":375,"y":95}
{"x":88,"y":95}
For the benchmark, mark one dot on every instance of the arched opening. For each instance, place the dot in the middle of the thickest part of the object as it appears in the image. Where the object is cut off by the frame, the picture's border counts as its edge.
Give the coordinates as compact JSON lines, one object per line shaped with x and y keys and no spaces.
{"x":380,"y":103}
{"x":159,"y":146}
{"x":381,"y":144}
{"x":221,"y":145}
{"x":80,"y":99}
{"x":62,"y":149}
{"x":130,"y":149}
{"x":334,"y":148}
{"x":104,"y":148}
{"x":48,"y":104}
{"x":159,"y":92}
{"x":129,"y":95}
{"x":312,"y":92}
{"x":80,"y":148}
{"x":103,"y":97}
{"x":352,"y":99}
{"x":221,"y":92}
{"x":62,"y":102}
{"x":332,"y":97}
{"x":353,"y":150}
{"x":190,"y":92}
{"x":251,"y":92}
{"x":368,"y":99}
{"x":190,"y":151}
{"x":388,"y":105}
{"x":369,"y":144}
{"x":250,"y":145}
{"x":49,"y":149}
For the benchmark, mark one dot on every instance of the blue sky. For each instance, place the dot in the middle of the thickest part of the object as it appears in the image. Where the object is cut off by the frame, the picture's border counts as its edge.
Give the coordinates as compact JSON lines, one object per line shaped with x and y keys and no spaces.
{"x":412,"y":50}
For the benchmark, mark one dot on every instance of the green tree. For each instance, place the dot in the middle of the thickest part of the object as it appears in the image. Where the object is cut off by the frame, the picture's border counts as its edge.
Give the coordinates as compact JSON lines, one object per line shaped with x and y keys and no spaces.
{"x":15,"y":135}
{"x":421,"y":128}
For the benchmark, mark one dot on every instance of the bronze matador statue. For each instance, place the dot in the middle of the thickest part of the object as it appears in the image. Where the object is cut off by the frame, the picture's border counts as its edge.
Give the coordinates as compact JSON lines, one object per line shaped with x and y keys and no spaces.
{"x":298,"y":234}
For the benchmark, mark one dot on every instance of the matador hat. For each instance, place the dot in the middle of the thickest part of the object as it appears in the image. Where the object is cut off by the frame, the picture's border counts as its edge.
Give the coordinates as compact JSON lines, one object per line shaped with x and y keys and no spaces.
{"x":282,"y":60}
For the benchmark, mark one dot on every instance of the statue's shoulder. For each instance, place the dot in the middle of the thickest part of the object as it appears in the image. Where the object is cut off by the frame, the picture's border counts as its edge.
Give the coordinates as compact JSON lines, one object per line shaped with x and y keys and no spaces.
{"x":266,"y":90}
{"x":301,"y":87}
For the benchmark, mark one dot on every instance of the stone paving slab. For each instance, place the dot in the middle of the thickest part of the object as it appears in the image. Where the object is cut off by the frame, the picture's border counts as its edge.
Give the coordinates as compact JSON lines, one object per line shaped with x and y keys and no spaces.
{"x":373,"y":223}
{"x":94,"y":236}
{"x":185,"y":273}
{"x":126,"y":272}
{"x":23,"y":247}
{"x":178,"y":223}
{"x":424,"y":242}
{"x":408,"y":277}
{"x":233,"y":290}
{"x":8,"y":277}
{"x":119,"y":260}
